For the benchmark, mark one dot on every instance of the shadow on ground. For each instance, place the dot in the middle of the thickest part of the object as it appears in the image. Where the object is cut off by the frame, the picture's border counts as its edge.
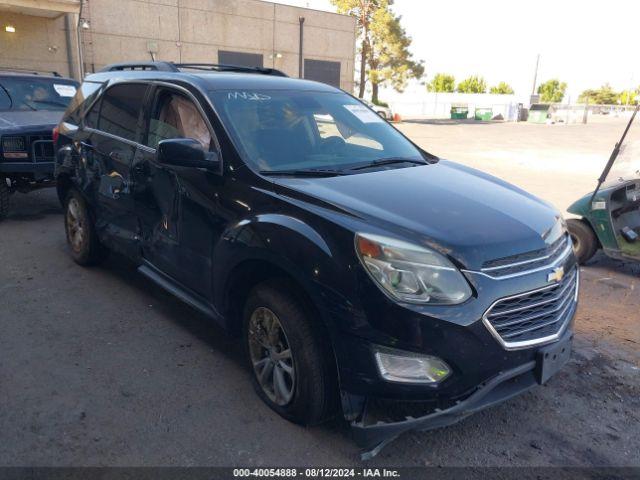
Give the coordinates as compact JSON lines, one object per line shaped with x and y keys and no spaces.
{"x":33,"y":206}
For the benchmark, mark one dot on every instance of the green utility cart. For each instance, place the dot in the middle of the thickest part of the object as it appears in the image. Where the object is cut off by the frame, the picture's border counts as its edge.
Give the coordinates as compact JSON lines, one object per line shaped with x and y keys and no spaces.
{"x":609,"y":217}
{"x":483,"y":114}
{"x":459,"y":111}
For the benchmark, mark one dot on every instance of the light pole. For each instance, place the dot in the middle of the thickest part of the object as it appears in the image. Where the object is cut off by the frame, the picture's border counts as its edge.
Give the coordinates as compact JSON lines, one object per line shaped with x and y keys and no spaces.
{"x":535,"y":75}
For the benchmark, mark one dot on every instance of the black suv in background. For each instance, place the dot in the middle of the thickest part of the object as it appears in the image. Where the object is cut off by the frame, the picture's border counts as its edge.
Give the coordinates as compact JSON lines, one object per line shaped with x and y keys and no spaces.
{"x":31,"y":105}
{"x":360,"y":272}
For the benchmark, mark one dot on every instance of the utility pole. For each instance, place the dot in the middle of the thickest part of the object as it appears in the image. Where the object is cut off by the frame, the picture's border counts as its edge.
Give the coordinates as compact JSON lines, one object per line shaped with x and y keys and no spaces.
{"x":629,"y":93}
{"x":535,"y":76}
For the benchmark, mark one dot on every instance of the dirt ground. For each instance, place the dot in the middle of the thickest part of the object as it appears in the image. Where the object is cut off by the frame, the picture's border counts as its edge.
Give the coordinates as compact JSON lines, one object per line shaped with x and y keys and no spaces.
{"x":99,"y":367}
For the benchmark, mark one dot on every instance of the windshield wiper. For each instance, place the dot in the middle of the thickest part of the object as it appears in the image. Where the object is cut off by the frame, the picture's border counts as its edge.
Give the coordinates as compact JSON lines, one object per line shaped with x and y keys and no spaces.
{"x":388,"y":161}
{"x":30,"y":106}
{"x":310,"y":172}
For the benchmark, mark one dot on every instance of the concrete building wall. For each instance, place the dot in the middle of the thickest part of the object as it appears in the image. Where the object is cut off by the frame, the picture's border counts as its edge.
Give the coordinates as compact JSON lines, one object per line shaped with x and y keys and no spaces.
{"x":38,"y":44}
{"x":195,"y":30}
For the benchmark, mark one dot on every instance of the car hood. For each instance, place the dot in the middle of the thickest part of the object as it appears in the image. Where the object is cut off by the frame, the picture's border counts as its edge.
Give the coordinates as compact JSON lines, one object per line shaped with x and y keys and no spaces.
{"x":470,"y":216}
{"x":18,"y":120}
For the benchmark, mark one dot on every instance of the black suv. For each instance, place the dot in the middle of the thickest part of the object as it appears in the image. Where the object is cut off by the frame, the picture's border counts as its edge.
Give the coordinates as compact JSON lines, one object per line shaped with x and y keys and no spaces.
{"x":30,"y":106}
{"x":361,"y":273}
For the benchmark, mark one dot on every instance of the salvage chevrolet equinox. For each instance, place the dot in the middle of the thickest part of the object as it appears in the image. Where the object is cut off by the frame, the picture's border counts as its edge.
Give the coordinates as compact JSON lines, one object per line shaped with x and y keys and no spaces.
{"x":362,"y":274}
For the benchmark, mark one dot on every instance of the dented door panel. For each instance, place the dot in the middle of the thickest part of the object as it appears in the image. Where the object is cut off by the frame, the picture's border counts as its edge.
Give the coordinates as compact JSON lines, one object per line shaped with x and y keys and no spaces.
{"x":176,"y":208}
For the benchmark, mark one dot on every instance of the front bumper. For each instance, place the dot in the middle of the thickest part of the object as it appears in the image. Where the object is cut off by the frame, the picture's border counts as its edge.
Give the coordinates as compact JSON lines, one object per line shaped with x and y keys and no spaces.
{"x":27,"y":167}
{"x":485,"y":371}
{"x":372,"y":437}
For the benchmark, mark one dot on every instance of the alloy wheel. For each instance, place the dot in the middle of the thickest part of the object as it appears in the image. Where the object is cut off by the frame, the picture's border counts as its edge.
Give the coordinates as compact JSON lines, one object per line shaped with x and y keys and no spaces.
{"x":75,"y":225}
{"x":270,"y":353}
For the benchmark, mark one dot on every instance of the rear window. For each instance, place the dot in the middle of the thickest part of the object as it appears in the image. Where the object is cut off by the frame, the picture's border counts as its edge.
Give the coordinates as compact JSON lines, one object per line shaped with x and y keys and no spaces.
{"x":120,"y":110}
{"x":33,"y":93}
{"x":81,"y":101}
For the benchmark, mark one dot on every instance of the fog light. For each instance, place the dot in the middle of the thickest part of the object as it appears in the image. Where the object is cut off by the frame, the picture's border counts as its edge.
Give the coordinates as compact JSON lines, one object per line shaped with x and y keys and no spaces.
{"x":407,"y":367}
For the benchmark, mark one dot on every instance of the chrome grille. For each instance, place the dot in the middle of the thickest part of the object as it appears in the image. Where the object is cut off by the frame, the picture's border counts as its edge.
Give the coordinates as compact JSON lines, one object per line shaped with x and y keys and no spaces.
{"x":534,"y":317}
{"x":13,"y":144}
{"x":527,"y":262}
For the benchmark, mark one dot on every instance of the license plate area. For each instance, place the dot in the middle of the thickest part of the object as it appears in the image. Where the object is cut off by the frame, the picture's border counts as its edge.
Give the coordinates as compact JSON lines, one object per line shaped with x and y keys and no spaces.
{"x":552,"y":358}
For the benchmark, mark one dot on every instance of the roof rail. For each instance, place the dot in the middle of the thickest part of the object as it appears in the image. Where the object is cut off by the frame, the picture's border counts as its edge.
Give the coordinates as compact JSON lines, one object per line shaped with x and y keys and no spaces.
{"x":223,"y":67}
{"x":30,"y":72}
{"x":176,"y":67}
{"x":157,"y":66}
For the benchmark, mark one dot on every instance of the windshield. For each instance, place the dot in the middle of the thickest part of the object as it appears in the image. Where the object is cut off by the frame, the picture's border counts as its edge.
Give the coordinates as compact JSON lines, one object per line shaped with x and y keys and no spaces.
{"x":32,"y":93}
{"x":627,"y":164}
{"x":295,"y":130}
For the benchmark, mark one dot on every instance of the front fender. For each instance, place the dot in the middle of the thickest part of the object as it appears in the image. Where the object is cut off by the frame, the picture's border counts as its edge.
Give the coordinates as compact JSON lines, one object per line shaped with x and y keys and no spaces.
{"x":599,"y":219}
{"x":295,"y":247}
{"x":581,"y":207}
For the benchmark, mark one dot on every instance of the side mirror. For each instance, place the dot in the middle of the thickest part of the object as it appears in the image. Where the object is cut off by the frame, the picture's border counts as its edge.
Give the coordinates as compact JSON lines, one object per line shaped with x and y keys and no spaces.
{"x":186,"y":152}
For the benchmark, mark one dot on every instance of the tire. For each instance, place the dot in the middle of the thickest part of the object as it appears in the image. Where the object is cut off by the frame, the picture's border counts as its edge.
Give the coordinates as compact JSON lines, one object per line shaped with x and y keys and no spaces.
{"x":83,"y":242}
{"x":311,"y":393}
{"x":4,"y":198}
{"x":585,"y":242}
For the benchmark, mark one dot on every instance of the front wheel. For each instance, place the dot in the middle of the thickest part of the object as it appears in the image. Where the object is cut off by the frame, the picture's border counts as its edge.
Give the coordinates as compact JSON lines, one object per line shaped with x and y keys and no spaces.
{"x":288,"y":353}
{"x":86,"y":248}
{"x":585,"y":242}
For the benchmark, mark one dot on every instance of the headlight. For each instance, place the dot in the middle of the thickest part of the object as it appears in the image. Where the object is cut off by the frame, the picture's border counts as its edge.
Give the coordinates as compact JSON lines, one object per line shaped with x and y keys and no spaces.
{"x":13,"y":144}
{"x":411,"y":273}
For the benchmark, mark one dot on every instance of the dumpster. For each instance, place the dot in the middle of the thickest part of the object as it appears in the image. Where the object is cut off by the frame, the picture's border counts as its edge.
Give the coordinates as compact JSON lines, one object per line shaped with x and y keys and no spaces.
{"x":459,"y":111}
{"x":483,"y":114}
{"x":523,"y":113}
{"x":539,"y":113}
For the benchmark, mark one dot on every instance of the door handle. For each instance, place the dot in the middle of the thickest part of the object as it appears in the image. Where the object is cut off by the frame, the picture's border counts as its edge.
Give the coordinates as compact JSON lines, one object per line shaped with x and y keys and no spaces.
{"x":140,"y":168}
{"x":117,"y":156}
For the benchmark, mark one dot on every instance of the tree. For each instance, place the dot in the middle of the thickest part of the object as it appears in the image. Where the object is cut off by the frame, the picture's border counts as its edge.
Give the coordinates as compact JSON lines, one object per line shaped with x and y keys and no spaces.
{"x":384,"y":45}
{"x":389,"y":58}
{"x":473,"y":84}
{"x":630,"y":97}
{"x":588,"y":96}
{"x":442,"y":82}
{"x":605,"y":95}
{"x":552,"y":91}
{"x":503,"y":88}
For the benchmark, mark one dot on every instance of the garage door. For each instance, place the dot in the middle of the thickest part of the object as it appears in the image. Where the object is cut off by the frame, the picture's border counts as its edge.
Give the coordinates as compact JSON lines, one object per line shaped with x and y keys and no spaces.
{"x":241,"y":59}
{"x":322,"y":71}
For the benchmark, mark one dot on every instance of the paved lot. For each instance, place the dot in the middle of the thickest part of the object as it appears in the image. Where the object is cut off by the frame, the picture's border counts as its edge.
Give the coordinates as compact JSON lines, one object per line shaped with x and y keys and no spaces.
{"x":99,"y":367}
{"x":559,"y":163}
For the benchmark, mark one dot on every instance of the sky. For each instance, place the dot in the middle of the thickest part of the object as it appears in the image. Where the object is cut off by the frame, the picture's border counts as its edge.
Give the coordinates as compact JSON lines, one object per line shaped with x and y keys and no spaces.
{"x":584,"y":43}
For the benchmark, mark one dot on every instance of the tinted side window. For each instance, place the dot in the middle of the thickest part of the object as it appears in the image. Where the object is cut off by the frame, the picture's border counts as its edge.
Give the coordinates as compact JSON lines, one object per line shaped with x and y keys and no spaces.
{"x":176,"y":116}
{"x":91,"y":118}
{"x":120,"y":110}
{"x":83,"y":97}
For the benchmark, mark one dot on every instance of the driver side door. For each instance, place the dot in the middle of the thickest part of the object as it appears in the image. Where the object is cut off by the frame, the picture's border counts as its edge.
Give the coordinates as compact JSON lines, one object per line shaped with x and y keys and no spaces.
{"x":177,"y":206}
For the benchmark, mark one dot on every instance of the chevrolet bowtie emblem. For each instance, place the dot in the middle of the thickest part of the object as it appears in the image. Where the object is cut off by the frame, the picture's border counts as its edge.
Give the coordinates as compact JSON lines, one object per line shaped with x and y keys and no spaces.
{"x":557,"y":275}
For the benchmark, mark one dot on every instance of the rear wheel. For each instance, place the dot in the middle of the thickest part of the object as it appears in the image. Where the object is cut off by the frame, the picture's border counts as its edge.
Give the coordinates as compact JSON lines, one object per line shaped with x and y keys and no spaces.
{"x":287,"y":350}
{"x":86,"y":249}
{"x":4,"y":198}
{"x":585,"y":242}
